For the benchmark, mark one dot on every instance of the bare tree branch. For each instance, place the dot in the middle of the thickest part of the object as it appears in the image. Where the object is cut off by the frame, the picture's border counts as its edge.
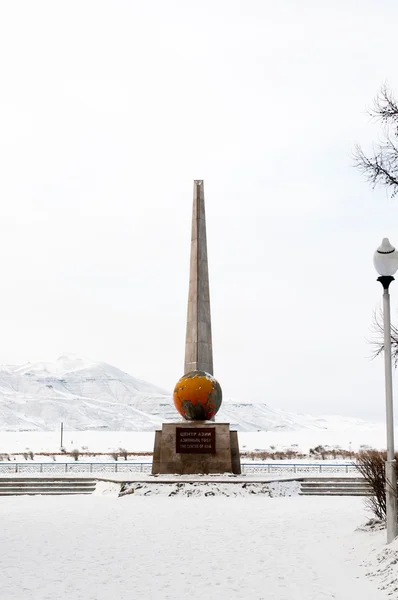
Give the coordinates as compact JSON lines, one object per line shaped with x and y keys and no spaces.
{"x":385,"y":107}
{"x":382,"y":167}
{"x":378,"y":341}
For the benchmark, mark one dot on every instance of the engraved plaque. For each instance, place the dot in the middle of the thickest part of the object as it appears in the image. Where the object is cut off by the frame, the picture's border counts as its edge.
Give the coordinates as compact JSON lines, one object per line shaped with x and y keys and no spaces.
{"x":196,"y":440}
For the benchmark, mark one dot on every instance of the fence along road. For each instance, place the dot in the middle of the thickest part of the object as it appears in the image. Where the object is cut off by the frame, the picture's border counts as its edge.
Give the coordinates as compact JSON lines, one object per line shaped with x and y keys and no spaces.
{"x":10,"y":467}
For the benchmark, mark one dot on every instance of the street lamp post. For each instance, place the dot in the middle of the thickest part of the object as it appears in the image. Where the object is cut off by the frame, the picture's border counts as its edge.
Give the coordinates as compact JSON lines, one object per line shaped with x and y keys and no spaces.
{"x":386,"y":263}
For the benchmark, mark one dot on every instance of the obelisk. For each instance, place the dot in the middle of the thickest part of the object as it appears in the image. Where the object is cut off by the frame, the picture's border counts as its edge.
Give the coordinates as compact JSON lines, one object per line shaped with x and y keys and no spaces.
{"x":197,"y":444}
{"x":198,"y":343}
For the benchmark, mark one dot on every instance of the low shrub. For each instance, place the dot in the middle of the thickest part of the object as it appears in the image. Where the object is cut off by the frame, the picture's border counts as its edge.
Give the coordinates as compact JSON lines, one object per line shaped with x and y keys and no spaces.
{"x":123,"y":453}
{"x":75,"y":453}
{"x":371,"y":465}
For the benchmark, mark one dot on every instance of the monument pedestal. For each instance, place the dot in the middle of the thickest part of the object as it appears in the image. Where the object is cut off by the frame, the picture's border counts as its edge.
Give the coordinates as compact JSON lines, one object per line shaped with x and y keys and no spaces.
{"x":196,"y":448}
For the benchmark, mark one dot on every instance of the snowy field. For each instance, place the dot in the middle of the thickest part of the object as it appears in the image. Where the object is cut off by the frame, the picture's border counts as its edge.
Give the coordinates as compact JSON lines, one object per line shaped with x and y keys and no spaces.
{"x":136,"y":441}
{"x":101,"y":547}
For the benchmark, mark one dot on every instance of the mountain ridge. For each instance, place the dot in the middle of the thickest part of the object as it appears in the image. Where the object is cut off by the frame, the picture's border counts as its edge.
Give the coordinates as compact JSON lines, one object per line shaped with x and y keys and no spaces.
{"x":89,"y":395}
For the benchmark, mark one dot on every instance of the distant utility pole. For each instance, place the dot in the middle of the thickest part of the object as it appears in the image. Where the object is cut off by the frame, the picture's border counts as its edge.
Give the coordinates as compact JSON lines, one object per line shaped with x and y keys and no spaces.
{"x":62,"y":435}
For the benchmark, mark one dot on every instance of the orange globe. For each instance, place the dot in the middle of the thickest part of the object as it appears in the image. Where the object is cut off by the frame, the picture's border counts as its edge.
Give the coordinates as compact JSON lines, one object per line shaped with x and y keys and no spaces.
{"x":197,"y":396}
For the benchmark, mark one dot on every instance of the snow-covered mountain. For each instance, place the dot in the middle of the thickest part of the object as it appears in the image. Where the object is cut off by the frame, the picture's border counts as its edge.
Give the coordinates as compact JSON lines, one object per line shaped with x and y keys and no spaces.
{"x":97,"y":396}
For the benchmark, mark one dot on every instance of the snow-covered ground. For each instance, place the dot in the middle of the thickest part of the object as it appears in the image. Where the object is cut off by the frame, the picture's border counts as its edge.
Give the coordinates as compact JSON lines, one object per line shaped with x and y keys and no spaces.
{"x":139,"y":441}
{"x":259,"y":548}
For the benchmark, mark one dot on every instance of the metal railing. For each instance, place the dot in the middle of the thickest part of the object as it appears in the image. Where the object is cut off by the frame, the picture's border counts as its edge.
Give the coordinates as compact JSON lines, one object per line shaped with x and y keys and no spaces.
{"x":273,"y":468}
{"x":303,"y":468}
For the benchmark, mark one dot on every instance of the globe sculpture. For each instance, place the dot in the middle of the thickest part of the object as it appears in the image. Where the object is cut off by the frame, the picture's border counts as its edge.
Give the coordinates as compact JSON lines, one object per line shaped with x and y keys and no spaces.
{"x":197,"y":396}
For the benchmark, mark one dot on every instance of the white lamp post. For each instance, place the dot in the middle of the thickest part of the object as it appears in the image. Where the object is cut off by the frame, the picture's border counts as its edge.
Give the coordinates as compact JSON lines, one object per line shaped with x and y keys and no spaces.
{"x":386,"y":263}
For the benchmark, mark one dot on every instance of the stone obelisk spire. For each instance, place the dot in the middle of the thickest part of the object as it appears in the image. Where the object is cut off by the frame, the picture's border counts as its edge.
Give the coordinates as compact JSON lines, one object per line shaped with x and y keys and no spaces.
{"x":198,"y":345}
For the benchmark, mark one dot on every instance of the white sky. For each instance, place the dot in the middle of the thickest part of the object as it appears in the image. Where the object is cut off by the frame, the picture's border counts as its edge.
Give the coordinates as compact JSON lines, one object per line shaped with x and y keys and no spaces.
{"x":110,"y":109}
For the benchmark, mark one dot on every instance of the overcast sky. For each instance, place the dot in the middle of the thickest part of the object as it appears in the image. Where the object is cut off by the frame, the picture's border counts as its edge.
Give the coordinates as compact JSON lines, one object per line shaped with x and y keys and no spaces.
{"x":110,"y":109}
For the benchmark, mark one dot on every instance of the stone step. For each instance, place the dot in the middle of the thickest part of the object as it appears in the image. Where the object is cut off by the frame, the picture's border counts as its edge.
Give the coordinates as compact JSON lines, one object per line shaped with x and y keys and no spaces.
{"x":336,"y":489}
{"x":82,"y":480}
{"x":365,"y":488}
{"x":337,"y":484}
{"x":4,"y":484}
{"x":334,"y":493}
{"x":45,"y":486}
{"x":43,"y":492}
{"x":333,"y":479}
{"x":345,"y":483}
{"x":55,"y":486}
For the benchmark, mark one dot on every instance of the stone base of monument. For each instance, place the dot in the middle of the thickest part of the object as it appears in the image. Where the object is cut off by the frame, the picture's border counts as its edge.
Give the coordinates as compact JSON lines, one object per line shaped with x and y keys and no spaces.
{"x":194,"y":448}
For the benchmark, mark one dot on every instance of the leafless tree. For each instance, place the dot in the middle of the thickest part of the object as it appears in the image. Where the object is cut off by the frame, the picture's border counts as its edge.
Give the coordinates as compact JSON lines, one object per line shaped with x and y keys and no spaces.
{"x":378,"y":341}
{"x":381,"y":167}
